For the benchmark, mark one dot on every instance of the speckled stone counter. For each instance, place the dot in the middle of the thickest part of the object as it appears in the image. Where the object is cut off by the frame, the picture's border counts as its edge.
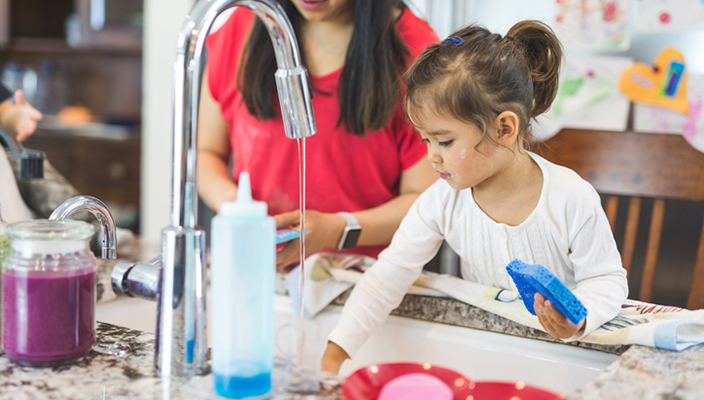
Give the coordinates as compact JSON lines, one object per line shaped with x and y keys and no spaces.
{"x":641,"y":373}
{"x":112,"y":377}
{"x":645,"y":373}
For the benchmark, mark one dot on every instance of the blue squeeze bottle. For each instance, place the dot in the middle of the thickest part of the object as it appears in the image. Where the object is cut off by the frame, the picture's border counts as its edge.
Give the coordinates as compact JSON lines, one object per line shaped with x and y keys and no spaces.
{"x":243,"y":268}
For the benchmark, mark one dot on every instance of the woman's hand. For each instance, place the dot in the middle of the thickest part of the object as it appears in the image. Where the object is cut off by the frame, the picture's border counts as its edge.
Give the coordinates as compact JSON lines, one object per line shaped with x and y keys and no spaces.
{"x":325,"y":230}
{"x":333,"y":358}
{"x":552,"y":319}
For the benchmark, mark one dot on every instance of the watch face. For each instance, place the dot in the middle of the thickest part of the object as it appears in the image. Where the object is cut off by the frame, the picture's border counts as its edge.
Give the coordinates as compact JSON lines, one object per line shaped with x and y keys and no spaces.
{"x":351,"y":239}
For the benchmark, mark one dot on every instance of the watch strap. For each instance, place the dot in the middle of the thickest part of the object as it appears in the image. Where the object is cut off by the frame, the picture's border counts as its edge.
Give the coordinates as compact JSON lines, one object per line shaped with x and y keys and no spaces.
{"x":351,"y":224}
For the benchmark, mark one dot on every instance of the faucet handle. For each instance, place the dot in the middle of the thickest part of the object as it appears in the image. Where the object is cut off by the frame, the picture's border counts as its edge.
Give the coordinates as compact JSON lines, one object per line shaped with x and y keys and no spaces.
{"x":137,"y":279}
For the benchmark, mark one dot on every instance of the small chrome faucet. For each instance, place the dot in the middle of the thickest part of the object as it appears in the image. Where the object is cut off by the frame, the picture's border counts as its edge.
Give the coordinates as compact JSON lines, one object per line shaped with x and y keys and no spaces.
{"x":181,"y":347}
{"x":100,"y":211}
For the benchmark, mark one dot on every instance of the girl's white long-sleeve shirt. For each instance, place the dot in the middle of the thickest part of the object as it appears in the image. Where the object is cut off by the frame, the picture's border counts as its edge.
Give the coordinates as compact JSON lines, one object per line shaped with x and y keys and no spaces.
{"x":567,"y":232}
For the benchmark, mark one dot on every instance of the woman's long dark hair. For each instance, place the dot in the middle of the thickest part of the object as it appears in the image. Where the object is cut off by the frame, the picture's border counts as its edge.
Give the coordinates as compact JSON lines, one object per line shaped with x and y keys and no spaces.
{"x":370,"y":84}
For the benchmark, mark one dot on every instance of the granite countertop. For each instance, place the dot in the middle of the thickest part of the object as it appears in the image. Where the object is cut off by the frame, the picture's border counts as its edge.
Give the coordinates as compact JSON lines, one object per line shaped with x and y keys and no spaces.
{"x":115,"y":377}
{"x":641,"y":373}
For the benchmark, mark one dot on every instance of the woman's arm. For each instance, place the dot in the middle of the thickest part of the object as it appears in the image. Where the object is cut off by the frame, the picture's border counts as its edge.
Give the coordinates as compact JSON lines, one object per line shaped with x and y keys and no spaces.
{"x":215,"y":185}
{"x":378,"y":223}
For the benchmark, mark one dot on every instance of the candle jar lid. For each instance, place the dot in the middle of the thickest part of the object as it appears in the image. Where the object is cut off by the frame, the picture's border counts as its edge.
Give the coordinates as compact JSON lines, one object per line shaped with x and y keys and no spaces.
{"x":44,"y":229}
{"x":49,"y":237}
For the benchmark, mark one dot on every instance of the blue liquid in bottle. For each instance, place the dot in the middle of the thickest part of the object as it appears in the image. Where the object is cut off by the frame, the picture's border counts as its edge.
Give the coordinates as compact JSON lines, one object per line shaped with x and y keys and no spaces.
{"x":239,"y":387}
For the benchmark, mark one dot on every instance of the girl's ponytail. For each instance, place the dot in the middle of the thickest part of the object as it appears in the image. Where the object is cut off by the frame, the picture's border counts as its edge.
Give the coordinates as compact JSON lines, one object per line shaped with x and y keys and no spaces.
{"x":544,"y":57}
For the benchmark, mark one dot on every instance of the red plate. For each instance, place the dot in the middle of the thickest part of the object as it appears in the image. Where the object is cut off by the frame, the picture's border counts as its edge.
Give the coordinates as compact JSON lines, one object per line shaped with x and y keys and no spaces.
{"x":366,"y":383}
{"x":510,"y":390}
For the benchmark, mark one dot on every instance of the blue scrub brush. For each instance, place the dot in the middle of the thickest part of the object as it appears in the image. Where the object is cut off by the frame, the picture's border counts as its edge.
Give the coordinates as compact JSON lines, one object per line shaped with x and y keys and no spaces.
{"x":31,"y":161}
{"x":532,"y":278}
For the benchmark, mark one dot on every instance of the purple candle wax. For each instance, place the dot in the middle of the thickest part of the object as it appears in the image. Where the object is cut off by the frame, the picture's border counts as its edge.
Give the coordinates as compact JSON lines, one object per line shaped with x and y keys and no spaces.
{"x":48,"y":316}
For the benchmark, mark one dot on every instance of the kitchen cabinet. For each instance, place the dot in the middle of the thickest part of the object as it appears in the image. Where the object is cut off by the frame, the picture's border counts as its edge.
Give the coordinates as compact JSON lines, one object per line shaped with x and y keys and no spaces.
{"x":104,"y":167}
{"x":4,"y":19}
{"x":85,"y":53}
{"x":63,"y":25}
{"x":106,"y":24}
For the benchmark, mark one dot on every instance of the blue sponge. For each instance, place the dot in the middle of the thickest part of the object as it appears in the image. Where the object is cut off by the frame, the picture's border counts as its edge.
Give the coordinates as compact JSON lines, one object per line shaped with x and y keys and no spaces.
{"x":532,"y":278}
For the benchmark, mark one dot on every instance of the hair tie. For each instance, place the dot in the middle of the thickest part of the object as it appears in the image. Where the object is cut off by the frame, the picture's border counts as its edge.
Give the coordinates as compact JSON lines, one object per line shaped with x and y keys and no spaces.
{"x":509,"y":38}
{"x":456,"y":40}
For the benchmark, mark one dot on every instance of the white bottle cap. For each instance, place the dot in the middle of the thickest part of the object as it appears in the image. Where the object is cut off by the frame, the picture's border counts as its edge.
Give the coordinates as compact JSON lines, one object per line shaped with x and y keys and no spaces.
{"x":244,"y":204}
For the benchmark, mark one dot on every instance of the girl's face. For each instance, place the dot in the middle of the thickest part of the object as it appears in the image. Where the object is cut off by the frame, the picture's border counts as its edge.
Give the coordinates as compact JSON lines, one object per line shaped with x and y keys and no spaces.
{"x":453,"y":151}
{"x":325,"y":10}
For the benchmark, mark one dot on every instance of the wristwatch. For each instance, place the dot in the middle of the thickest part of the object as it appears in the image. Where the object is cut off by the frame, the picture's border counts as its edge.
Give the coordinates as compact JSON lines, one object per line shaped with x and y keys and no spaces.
{"x":350,"y":235}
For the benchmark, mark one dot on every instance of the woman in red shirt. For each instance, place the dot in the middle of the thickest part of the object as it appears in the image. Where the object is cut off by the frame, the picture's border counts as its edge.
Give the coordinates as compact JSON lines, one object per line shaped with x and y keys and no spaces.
{"x":365,"y":160}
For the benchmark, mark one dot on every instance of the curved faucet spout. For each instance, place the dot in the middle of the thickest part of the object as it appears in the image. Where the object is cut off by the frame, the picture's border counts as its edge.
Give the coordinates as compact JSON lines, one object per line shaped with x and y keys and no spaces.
{"x":100,"y":211}
{"x":291,"y":81}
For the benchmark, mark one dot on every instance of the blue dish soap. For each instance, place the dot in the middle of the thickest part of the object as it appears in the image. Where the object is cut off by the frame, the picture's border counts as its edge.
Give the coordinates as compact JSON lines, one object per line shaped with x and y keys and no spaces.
{"x":243,"y":268}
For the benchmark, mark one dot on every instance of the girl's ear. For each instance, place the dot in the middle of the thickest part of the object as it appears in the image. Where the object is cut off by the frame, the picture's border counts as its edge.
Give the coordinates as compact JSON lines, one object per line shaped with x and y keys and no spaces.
{"x":507,"y":124}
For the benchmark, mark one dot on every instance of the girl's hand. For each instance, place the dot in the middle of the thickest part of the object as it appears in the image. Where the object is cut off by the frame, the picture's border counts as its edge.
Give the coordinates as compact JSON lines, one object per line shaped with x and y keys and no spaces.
{"x":26,"y":117}
{"x":552,"y":319}
{"x":333,"y":358}
{"x":325,"y":228}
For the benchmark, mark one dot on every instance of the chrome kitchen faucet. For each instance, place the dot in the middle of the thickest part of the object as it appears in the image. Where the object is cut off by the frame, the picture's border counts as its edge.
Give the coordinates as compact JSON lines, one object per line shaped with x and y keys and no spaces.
{"x":181,"y":343}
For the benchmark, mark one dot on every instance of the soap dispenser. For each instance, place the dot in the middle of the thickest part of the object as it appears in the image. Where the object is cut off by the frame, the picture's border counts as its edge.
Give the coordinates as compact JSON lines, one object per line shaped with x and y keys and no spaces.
{"x":243,"y":274}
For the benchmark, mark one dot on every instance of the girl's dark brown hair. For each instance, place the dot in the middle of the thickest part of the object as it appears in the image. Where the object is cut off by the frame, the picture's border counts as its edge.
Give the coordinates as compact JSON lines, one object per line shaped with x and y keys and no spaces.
{"x":478,"y":79}
{"x":369,"y":86}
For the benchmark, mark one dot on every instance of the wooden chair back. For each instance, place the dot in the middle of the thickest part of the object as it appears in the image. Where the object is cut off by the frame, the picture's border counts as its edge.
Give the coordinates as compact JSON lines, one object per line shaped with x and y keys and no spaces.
{"x":632,"y":165}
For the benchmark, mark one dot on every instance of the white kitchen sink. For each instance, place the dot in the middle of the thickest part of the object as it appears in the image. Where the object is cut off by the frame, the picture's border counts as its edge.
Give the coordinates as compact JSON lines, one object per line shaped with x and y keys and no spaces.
{"x":479,"y":355}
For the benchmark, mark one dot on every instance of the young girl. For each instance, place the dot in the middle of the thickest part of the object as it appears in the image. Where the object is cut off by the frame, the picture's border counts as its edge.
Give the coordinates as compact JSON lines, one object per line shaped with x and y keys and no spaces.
{"x":471,"y":98}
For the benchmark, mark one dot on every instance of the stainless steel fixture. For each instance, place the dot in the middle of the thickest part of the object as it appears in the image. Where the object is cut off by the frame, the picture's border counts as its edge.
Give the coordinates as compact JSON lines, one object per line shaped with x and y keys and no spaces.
{"x":181,"y":348}
{"x":100,"y":211}
{"x":137,"y":279}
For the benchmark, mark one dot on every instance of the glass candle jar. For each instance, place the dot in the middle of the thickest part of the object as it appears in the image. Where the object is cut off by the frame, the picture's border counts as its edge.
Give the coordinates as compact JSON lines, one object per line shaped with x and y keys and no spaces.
{"x":48,"y":292}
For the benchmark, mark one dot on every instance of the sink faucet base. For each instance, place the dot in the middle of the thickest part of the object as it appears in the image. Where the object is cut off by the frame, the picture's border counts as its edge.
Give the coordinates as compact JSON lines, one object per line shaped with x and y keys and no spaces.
{"x":181,"y":320}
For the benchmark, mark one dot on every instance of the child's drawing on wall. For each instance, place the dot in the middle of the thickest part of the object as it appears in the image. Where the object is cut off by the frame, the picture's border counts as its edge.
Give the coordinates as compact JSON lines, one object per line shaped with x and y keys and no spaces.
{"x":670,"y":15}
{"x":594,"y":24}
{"x":660,"y":120}
{"x":588,"y":96}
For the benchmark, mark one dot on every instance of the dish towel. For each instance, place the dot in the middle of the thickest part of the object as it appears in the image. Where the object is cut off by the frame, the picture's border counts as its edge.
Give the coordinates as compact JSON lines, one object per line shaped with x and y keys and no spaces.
{"x":328,"y":275}
{"x":665,"y":327}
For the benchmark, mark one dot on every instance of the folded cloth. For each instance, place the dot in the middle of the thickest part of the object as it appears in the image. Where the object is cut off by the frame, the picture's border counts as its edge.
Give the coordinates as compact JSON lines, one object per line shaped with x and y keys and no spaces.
{"x":665,"y":327}
{"x":328,"y":275}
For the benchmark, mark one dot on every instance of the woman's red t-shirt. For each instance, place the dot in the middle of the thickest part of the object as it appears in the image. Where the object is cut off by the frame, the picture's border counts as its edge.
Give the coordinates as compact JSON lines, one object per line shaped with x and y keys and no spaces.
{"x":344,"y":172}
